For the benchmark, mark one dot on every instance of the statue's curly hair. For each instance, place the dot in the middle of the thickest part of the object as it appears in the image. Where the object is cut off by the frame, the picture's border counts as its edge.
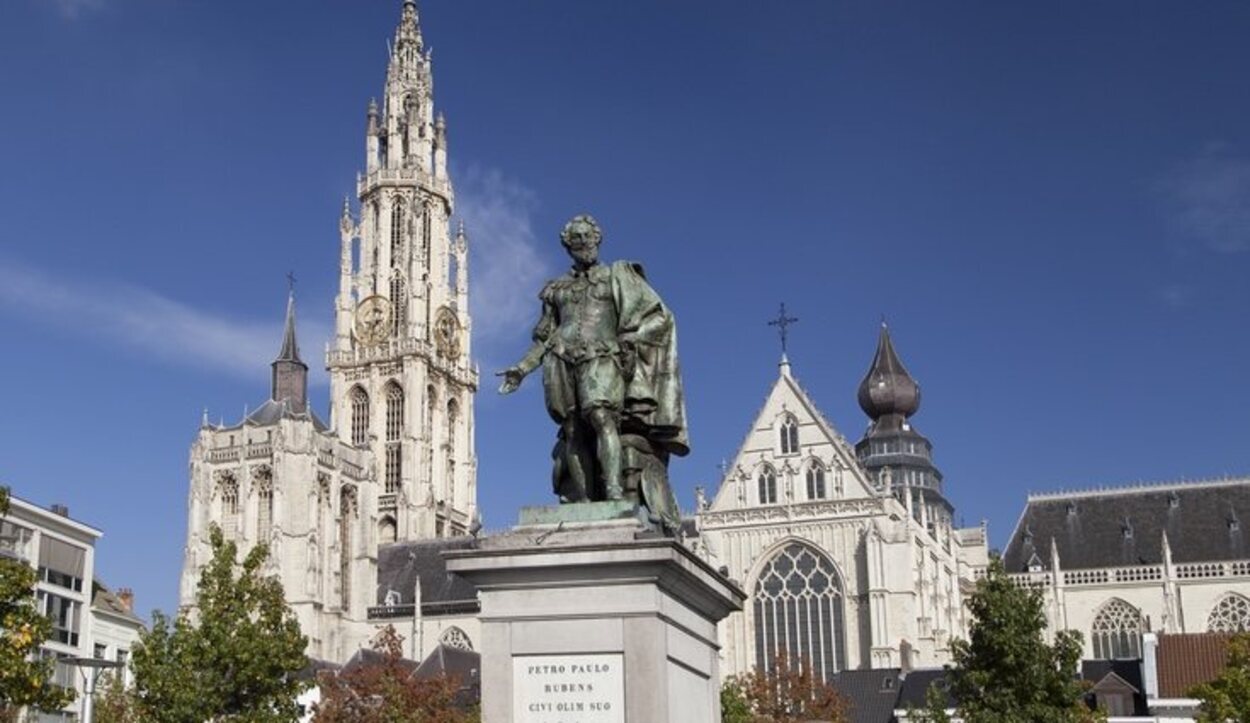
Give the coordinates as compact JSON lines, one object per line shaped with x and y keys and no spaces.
{"x":585,"y":220}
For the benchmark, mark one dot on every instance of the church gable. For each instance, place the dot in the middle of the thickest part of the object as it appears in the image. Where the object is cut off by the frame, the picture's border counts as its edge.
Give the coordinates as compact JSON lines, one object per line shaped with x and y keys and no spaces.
{"x":791,"y":455}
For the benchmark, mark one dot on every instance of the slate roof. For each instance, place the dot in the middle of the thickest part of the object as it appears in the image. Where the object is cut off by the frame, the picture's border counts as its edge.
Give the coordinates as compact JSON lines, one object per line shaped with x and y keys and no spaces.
{"x":105,"y":599}
{"x":871,"y":694}
{"x":273,"y":410}
{"x":401,"y":563}
{"x":916,"y":684}
{"x":463,"y":664}
{"x":1188,"y":659}
{"x":1204,"y":522}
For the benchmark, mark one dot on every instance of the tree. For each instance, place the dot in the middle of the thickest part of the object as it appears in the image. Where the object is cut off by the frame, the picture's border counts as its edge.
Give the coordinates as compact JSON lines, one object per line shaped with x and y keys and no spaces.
{"x":385,"y":691}
{"x":233,"y":659}
{"x":1006,"y":672}
{"x":785,"y":693}
{"x":1227,"y":698}
{"x":113,"y":702}
{"x":25,"y":678}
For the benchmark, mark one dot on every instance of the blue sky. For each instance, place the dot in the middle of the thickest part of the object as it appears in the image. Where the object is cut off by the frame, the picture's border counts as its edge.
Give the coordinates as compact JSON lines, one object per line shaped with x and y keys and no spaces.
{"x":1049,"y":202}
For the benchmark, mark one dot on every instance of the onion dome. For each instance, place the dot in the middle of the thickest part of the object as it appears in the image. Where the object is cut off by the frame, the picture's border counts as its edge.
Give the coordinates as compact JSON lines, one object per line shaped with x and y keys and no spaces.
{"x":887,"y":388}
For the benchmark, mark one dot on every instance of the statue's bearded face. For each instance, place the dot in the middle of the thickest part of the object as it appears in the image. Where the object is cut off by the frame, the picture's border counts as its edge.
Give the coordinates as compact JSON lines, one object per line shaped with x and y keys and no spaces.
{"x":583,"y":245}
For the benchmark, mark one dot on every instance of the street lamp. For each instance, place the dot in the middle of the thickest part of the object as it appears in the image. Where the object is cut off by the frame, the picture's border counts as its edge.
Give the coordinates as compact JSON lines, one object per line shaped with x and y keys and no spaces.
{"x":90,"y":669}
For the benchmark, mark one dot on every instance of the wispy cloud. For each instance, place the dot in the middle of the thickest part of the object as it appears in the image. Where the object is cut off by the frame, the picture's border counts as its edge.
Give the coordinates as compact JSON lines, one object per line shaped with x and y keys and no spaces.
{"x":1208,"y":198}
{"x":73,"y":9}
{"x":1176,"y":296}
{"x":155,"y":325}
{"x":506,"y":268}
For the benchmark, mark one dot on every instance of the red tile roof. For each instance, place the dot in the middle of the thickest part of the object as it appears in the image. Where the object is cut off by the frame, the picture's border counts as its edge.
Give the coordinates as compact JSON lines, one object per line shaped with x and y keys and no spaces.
{"x":1189,"y":659}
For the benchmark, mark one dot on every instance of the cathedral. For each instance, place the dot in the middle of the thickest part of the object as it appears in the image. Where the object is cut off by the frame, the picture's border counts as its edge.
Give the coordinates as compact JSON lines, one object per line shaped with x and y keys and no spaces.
{"x":847,"y":552}
{"x":395,"y":461}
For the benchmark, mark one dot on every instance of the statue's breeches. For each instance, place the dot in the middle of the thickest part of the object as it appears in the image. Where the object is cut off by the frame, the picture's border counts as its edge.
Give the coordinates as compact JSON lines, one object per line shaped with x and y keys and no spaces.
{"x":573,"y":388}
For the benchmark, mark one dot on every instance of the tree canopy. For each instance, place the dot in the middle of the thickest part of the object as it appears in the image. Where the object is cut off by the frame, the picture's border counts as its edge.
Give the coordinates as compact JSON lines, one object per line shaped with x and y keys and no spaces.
{"x":233,"y":658}
{"x":1006,"y":672}
{"x":787,"y":692}
{"x":1227,"y":698}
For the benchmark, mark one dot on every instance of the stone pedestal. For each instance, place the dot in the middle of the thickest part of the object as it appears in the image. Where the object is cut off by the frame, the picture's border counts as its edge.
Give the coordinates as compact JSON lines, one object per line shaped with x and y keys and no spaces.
{"x":596,"y":622}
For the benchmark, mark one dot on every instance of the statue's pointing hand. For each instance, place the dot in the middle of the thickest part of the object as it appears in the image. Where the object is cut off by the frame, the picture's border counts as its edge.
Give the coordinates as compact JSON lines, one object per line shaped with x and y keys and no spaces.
{"x":512,"y":378}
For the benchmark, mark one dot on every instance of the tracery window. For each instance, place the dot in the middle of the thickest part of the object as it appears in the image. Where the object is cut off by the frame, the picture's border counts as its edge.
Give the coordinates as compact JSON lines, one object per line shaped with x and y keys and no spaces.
{"x":427,"y":431}
{"x":1116,"y":632}
{"x":394,"y":432}
{"x":789,"y":436}
{"x":454,"y":637}
{"x":397,"y":232}
{"x":425,"y":233}
{"x":816,"y":481}
{"x":264,"y":504}
{"x":228,"y":488}
{"x":360,"y":416}
{"x":399,"y":302}
{"x":1230,"y":615}
{"x":797,"y":604}
{"x":768,"y":486}
{"x":453,"y":416}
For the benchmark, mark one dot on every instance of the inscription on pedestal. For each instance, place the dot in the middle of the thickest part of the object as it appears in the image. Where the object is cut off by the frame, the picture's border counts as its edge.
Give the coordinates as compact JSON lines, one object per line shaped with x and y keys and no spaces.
{"x":568,"y":688}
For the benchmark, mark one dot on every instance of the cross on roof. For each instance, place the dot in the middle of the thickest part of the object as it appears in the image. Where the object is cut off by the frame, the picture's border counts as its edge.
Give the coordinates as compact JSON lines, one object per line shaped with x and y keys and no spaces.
{"x":290,"y":281}
{"x":783,"y":322}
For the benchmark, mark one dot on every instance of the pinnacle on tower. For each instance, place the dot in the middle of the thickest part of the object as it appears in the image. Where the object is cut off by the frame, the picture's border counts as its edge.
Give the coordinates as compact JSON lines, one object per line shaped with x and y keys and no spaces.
{"x":409,"y":30}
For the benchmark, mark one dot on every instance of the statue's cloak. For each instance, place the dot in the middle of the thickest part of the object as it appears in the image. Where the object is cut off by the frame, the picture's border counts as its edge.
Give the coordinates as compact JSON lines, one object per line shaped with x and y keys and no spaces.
{"x":654,"y":404}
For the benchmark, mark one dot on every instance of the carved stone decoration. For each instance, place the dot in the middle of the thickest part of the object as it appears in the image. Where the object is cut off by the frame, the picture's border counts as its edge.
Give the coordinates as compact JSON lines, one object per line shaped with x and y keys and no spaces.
{"x":454,"y":637}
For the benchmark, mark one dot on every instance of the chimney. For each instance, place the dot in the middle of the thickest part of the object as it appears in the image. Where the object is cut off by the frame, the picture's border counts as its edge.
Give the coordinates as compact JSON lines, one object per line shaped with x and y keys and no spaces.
{"x":59,"y":509}
{"x":127,"y":598}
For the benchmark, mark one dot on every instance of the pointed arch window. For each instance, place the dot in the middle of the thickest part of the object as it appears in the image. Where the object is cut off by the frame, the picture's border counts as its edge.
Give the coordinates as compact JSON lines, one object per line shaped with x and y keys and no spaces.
{"x":360,"y":416}
{"x":1230,"y":615}
{"x":427,"y":431}
{"x":816,"y":488}
{"x":228,"y":488}
{"x":797,"y":603}
{"x":453,"y":418}
{"x":454,"y":637}
{"x":425,"y":233}
{"x":386,"y":530}
{"x":397,"y":231}
{"x":264,"y":505}
{"x":399,"y":302}
{"x":1116,"y":632}
{"x":768,"y":485}
{"x":394,"y":437}
{"x":789,"y":434}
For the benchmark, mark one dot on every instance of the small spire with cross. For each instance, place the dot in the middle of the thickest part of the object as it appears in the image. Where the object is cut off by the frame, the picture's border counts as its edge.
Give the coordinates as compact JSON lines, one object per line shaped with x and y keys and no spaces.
{"x":290,"y":282}
{"x":783,"y":323}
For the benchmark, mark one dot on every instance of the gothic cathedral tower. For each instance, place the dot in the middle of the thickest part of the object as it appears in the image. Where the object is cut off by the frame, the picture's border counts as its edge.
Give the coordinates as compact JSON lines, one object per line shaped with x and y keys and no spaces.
{"x":402,"y":384}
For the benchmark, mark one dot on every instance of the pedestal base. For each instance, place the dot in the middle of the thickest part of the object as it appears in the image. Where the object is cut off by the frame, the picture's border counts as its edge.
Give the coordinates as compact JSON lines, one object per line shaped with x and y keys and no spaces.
{"x":595,"y":622}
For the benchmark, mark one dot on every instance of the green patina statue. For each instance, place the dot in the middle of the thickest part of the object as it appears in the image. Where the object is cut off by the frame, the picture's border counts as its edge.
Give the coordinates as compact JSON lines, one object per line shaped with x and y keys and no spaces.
{"x":608,"y":348}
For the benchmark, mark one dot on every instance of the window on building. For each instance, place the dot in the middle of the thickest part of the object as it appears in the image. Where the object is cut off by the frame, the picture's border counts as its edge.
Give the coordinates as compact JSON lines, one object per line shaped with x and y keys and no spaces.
{"x":101,"y":651}
{"x":61,"y":563}
{"x":397,"y":231}
{"x":264,"y":504}
{"x":453,"y":419}
{"x":789,"y":436}
{"x":1230,"y":615}
{"x":454,"y":637}
{"x":15,"y":540}
{"x":394,"y":437}
{"x":399,"y":302}
{"x":228,"y":488}
{"x":797,"y":605}
{"x":64,"y":614}
{"x":815,"y":481}
{"x":1116,"y":632}
{"x":768,"y":486}
{"x":425,"y":233}
{"x":386,"y":530}
{"x":360,"y":416}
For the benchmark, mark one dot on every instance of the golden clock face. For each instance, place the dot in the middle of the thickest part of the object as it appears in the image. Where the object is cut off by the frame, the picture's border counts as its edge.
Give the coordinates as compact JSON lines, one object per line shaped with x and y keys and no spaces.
{"x":373,"y":320}
{"x":447,"y":333}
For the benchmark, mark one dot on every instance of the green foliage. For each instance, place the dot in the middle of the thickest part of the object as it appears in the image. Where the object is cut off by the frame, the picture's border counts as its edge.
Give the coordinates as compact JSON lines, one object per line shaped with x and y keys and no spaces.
{"x":1006,"y":672}
{"x":25,"y":681}
{"x":113,"y":702}
{"x":1227,"y":698}
{"x":734,"y":707}
{"x":233,"y":659}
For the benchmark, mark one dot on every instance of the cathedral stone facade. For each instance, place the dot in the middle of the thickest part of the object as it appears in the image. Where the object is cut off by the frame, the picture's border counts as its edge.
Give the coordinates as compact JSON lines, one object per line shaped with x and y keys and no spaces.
{"x":847,"y":552}
{"x":395,"y":463}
